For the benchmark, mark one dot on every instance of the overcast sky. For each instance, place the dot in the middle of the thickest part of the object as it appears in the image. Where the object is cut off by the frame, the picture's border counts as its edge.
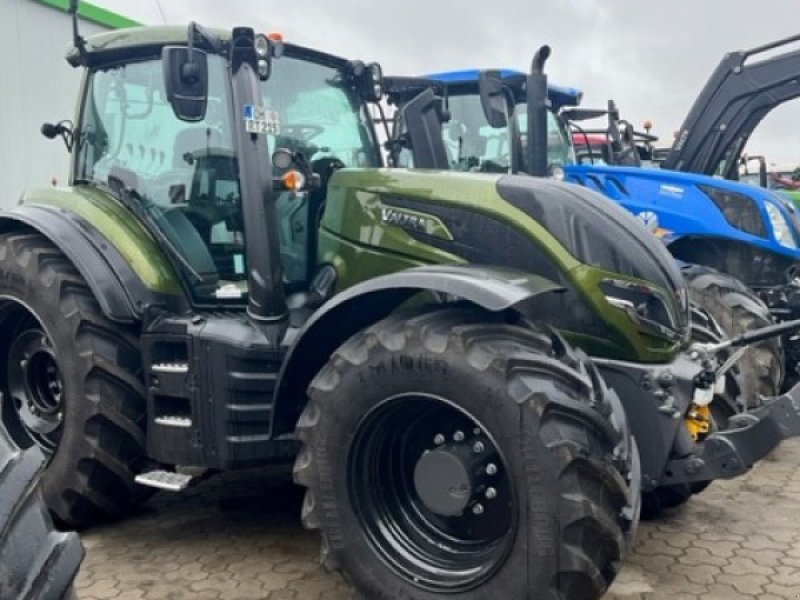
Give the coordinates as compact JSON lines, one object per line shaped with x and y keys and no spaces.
{"x":651,"y":57}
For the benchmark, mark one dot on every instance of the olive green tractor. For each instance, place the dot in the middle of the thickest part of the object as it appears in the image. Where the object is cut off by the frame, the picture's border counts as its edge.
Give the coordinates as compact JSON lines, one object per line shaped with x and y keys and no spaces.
{"x":460,"y":365}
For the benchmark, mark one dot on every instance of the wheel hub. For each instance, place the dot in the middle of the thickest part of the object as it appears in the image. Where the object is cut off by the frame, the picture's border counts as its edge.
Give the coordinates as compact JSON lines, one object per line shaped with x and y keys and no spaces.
{"x":34,"y":411}
{"x":432,"y":490}
{"x":442,"y":482}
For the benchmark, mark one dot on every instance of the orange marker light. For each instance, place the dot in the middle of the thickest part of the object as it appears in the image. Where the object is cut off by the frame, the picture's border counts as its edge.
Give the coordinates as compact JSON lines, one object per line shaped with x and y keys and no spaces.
{"x":648,"y":124}
{"x":275,"y":36}
{"x":294,"y":180}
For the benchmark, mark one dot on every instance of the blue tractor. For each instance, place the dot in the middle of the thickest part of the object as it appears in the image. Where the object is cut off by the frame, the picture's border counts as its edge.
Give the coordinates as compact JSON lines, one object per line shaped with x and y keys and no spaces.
{"x":694,"y":201}
{"x":738,"y":244}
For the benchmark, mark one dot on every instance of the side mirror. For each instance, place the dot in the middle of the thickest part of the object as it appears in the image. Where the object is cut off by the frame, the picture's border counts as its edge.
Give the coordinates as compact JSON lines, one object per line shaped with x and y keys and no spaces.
{"x":186,"y":81}
{"x":493,"y":98}
{"x":63,"y":129}
{"x":422,"y":119}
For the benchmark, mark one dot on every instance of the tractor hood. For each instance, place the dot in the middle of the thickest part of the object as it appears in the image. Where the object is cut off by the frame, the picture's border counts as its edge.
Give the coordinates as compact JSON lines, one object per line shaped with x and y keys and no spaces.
{"x":623,"y":288}
{"x":682,"y":205}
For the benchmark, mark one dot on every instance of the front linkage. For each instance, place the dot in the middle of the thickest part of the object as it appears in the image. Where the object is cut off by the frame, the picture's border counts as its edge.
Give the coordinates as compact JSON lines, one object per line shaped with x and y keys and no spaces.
{"x":687,"y":388}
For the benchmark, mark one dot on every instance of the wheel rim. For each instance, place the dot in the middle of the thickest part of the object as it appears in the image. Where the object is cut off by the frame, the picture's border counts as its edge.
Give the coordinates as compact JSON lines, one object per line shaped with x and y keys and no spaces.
{"x":34,"y":411}
{"x":431,"y":490}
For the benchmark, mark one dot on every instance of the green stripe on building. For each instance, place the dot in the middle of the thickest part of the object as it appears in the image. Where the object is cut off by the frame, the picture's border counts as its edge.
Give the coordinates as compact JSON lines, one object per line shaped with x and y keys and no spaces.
{"x":93,"y":13}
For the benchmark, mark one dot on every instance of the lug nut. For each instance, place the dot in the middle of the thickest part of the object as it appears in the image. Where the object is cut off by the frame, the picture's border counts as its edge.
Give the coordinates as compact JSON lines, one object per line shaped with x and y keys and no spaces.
{"x":477,"y":509}
{"x":458,"y":436}
{"x":491,"y":469}
{"x":478,"y":447}
{"x":477,"y":431}
{"x":438,"y":439}
{"x":491,"y":493}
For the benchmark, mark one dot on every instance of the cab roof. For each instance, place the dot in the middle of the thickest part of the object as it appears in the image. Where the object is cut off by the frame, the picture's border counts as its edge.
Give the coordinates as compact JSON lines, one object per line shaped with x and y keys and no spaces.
{"x":134,"y":42}
{"x":559,"y":96}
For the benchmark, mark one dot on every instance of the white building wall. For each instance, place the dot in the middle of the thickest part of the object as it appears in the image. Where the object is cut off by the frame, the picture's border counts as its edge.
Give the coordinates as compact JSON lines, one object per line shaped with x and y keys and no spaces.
{"x":36,"y":85}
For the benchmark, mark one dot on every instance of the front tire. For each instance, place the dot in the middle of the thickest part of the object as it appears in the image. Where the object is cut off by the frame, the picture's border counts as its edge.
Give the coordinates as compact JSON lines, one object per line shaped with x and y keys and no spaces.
{"x":71,"y":383}
{"x":450,"y":453}
{"x":738,"y":310}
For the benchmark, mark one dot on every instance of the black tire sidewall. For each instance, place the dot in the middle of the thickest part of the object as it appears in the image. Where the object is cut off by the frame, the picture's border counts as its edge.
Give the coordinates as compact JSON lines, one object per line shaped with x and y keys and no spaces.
{"x":535,"y":484}
{"x":24,"y":286}
{"x":60,"y":300}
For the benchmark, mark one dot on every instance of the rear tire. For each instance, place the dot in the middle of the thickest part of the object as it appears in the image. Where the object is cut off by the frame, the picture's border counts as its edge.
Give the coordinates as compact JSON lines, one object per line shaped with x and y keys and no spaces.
{"x":565,"y":475}
{"x":36,"y":561}
{"x":92,"y":409}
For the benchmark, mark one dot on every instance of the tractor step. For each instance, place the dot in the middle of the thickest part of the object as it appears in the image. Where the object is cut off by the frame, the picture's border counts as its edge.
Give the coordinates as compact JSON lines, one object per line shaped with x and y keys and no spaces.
{"x":170,"y":368}
{"x":164,"y":480}
{"x":173,"y":421}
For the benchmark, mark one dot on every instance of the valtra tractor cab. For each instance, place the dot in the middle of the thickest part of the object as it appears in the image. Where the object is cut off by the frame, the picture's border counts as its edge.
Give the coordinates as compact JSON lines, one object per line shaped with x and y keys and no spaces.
{"x":228,"y":280}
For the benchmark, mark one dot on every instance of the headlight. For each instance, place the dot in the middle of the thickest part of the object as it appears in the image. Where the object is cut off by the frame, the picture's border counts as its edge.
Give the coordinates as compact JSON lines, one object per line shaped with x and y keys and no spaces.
{"x":739,"y":210}
{"x":262,"y":46}
{"x":781,"y":227}
{"x":645,"y":305}
{"x":375,"y":84}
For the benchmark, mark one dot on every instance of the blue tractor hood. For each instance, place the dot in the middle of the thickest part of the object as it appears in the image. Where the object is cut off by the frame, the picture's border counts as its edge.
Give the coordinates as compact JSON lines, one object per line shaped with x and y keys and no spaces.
{"x":681,"y":206}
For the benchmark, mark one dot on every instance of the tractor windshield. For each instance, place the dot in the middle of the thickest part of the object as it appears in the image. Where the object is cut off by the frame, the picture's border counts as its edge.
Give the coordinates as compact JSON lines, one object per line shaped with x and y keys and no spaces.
{"x":321,"y":116}
{"x":182,"y":177}
{"x":179,"y":176}
{"x":473,"y":145}
{"x":560,"y":150}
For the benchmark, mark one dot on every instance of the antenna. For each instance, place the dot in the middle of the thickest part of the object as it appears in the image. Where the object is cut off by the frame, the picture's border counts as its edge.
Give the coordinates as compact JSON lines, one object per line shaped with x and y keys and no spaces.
{"x":161,"y":11}
{"x":77,"y":40}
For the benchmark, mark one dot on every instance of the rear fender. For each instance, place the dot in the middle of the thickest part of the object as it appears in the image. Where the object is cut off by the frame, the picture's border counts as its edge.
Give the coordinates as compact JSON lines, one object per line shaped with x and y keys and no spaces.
{"x":361,"y":305}
{"x":119,"y":291}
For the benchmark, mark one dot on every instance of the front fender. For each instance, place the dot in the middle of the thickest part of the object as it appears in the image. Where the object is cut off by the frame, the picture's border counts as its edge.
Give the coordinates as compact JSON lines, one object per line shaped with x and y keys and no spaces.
{"x":361,"y":305}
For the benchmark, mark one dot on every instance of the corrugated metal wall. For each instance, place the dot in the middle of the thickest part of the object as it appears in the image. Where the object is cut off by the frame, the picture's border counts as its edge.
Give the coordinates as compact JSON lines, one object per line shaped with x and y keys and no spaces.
{"x":36,"y":85}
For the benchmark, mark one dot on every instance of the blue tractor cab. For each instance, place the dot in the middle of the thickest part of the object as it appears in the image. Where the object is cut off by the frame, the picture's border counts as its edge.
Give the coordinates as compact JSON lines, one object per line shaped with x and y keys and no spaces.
{"x":472,"y":143}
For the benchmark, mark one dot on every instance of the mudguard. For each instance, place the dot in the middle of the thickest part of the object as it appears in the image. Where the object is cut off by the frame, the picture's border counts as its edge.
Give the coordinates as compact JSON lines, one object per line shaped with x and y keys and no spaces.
{"x":122,"y":295}
{"x":36,"y":561}
{"x":365,"y":303}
